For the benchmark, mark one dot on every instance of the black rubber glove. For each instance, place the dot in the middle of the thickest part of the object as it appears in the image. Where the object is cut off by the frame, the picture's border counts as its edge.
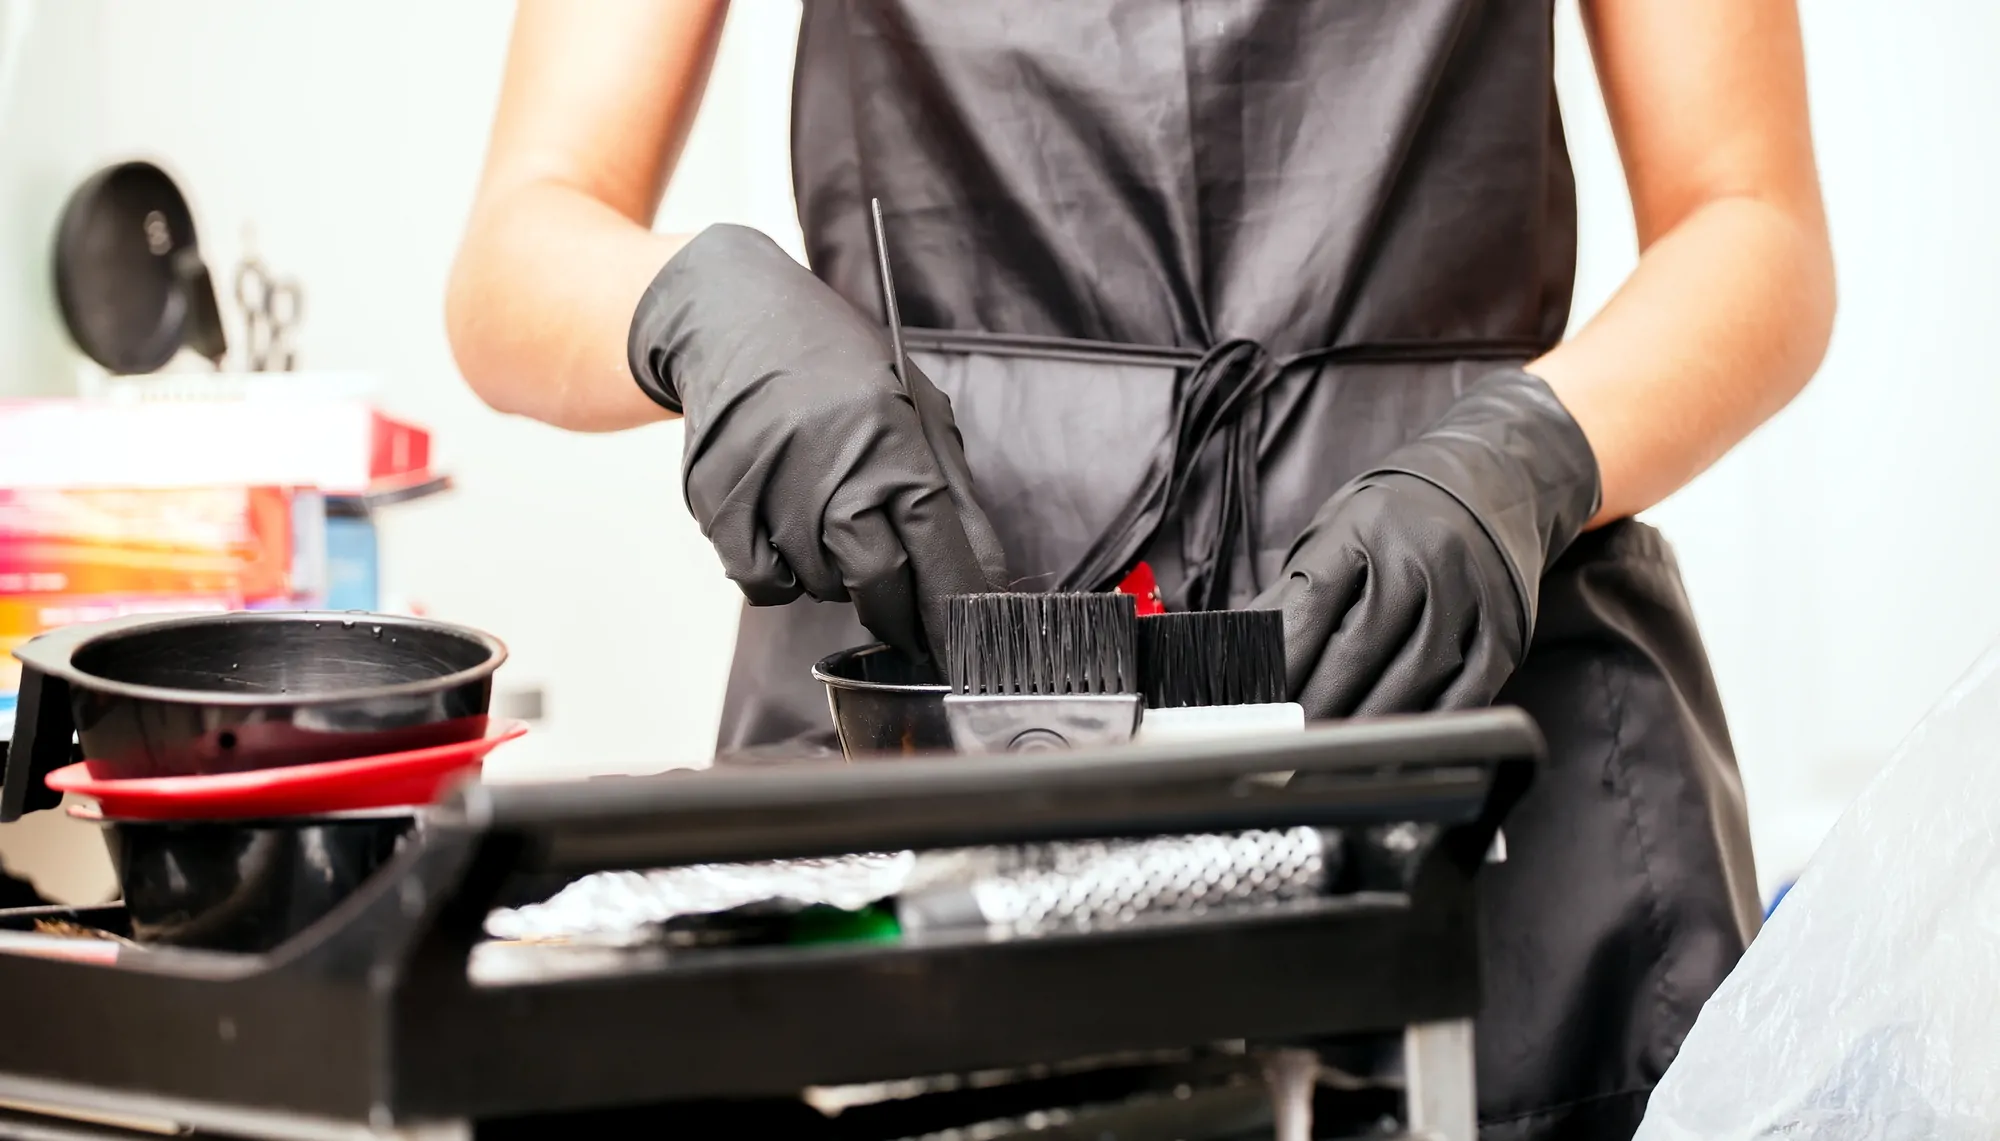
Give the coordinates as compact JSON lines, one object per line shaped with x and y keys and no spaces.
{"x":1414,"y":586}
{"x":806,"y":465}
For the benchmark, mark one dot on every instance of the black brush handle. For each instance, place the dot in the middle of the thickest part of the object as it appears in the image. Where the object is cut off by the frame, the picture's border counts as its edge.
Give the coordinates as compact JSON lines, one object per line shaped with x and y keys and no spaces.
{"x":204,"y":324}
{"x":889,"y":307}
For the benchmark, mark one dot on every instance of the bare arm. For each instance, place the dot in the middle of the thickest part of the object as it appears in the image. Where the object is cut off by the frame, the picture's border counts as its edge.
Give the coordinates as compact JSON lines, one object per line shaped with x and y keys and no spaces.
{"x":595,"y":106}
{"x":1729,"y":311}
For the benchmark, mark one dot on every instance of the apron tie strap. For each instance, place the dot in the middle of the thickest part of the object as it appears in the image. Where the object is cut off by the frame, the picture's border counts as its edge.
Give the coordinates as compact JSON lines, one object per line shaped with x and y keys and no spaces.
{"x":1214,"y":436}
{"x":1206,"y":477}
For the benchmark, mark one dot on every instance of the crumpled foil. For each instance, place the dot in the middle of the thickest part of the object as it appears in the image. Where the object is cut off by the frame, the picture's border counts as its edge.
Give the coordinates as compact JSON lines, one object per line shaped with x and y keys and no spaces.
{"x":1023,"y":889}
{"x":1044,"y":887}
{"x":623,"y":905}
{"x":1868,"y":1008}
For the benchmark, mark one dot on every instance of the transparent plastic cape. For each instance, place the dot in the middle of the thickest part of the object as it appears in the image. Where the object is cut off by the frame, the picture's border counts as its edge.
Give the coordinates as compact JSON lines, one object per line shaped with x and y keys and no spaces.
{"x":1868,"y":1009}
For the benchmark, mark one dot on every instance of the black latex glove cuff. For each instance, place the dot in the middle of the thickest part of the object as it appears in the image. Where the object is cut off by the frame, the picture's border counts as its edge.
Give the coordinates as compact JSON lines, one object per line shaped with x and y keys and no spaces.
{"x":1512,"y":456}
{"x":807,"y":465}
{"x":645,"y":344}
{"x":1415,"y":586}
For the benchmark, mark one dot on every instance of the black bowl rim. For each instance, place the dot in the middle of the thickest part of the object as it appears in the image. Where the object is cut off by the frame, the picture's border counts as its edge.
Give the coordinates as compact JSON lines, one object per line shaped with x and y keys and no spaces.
{"x":823,"y":673}
{"x":54,"y":657}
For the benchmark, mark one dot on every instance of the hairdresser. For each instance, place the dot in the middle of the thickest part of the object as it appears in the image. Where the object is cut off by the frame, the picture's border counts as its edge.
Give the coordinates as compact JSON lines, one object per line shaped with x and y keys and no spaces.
{"x":1269,"y":294}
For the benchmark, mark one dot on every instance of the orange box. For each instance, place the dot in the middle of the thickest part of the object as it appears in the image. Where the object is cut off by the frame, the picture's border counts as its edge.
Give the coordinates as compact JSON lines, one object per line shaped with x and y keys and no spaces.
{"x":26,"y":615}
{"x":203,"y":541}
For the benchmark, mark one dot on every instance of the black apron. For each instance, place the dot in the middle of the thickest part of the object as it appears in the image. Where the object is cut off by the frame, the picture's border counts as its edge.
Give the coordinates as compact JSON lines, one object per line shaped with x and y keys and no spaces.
{"x":1184,"y":268}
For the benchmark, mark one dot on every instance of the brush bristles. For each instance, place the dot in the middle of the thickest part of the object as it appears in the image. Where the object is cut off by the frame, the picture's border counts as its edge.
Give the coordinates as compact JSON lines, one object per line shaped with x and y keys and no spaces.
{"x":1218,"y":657}
{"x":1041,"y":643}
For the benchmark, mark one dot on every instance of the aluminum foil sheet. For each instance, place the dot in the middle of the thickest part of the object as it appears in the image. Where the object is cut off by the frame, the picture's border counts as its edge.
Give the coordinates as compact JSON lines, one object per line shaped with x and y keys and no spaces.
{"x":627,"y":905}
{"x":1032,"y":889}
{"x":1020,"y":889}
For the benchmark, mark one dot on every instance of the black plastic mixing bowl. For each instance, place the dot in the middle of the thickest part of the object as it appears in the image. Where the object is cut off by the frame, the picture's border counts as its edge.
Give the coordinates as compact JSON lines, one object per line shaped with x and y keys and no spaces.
{"x":246,"y":885}
{"x":218,"y":693}
{"x":883,"y":704}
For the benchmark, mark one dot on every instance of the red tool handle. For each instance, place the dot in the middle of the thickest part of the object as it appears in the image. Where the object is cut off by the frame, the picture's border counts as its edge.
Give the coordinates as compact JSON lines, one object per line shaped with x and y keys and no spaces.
{"x":1141,"y":585}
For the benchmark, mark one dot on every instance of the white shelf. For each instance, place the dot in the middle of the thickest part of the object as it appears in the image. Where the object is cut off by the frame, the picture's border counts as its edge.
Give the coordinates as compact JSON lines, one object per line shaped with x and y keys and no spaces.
{"x":93,"y":383}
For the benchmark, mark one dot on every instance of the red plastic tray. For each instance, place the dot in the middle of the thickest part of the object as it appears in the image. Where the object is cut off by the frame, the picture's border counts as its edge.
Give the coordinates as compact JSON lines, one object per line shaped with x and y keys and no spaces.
{"x":392,"y":780}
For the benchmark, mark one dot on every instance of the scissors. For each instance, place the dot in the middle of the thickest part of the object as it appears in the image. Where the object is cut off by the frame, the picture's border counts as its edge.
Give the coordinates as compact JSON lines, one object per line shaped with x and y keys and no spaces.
{"x":271,"y":311}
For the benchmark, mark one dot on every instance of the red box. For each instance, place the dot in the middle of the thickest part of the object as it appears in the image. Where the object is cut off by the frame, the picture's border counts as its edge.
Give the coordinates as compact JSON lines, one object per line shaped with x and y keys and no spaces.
{"x":341,"y":447}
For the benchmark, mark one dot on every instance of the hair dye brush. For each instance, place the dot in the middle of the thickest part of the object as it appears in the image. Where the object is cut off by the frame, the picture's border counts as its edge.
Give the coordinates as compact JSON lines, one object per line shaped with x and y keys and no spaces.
{"x":1214,"y":673}
{"x":1040,"y":671}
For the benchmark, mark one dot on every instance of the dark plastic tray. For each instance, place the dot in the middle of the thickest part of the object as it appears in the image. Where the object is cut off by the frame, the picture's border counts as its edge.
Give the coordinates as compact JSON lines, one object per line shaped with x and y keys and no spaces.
{"x":370,"y":1020}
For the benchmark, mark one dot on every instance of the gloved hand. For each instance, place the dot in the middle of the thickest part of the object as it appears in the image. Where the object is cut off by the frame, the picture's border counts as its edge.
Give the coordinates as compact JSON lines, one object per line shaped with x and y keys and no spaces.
{"x":806,"y":464}
{"x":1414,"y":587}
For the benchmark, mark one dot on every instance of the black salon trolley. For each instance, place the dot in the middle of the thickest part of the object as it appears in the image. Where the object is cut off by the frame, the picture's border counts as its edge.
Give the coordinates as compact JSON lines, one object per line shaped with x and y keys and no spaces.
{"x":391,"y":1019}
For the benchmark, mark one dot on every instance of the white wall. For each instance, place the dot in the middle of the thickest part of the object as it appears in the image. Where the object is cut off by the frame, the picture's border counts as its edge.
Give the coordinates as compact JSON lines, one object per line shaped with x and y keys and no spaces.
{"x":350,"y":135}
{"x":1840,"y":561}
